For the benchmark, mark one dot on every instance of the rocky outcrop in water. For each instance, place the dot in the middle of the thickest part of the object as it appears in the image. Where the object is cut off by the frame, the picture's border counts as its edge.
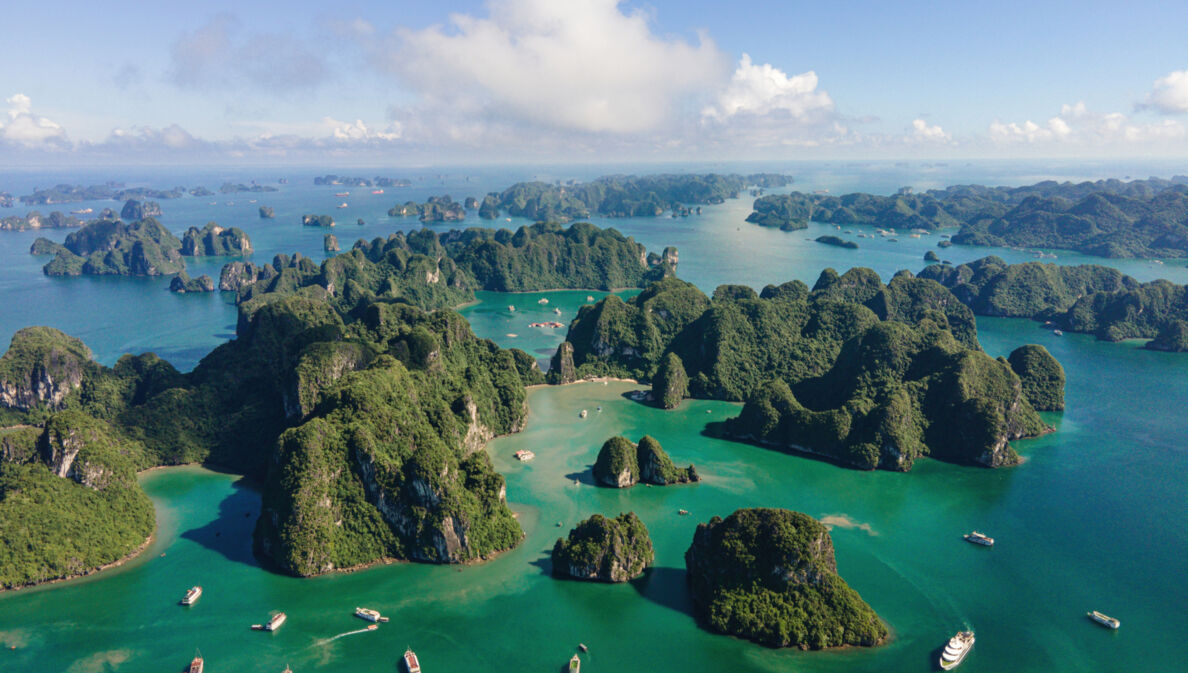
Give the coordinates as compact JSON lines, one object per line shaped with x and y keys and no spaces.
{"x":604,"y":550}
{"x":769,"y":575}
{"x":238,"y":275}
{"x":182,"y":283}
{"x":215,"y":241}
{"x":621,"y":464}
{"x":138,"y":210}
{"x":330,"y":243}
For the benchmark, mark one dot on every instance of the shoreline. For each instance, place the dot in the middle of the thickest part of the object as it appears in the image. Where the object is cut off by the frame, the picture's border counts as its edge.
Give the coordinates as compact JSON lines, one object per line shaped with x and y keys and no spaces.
{"x":148,"y":541}
{"x":597,"y":379}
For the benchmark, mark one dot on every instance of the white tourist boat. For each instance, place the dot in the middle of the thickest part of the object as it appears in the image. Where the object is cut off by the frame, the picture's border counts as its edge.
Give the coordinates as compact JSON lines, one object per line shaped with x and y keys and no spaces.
{"x":192,"y":596}
{"x":273,"y":624}
{"x":956,"y":649}
{"x":978,"y":538}
{"x":411,"y":664}
{"x":1104,"y":620}
{"x":370,"y":615}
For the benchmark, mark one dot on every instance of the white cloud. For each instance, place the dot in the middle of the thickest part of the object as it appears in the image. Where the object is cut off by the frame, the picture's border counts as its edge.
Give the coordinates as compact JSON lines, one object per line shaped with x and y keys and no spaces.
{"x":219,"y":55}
{"x":581,"y":65}
{"x":1170,"y":94}
{"x":765,"y":89}
{"x":1077,"y":125}
{"x":26,"y":129}
{"x":923,"y":131}
{"x":357,"y":131}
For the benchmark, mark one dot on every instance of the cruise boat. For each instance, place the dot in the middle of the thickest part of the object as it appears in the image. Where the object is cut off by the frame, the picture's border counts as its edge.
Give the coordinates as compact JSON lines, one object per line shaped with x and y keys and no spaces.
{"x":370,"y":615}
{"x":273,"y":624}
{"x":411,"y":665}
{"x":196,"y":665}
{"x":575,"y":664}
{"x":978,"y":538}
{"x":524,"y":455}
{"x":192,"y":596}
{"x":956,"y":649}
{"x":1106,"y":621}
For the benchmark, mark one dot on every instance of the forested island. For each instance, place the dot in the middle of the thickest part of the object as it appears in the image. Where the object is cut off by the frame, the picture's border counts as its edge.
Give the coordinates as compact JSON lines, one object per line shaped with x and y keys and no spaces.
{"x":866,"y":374}
{"x":35,"y":220}
{"x":444,"y":270}
{"x":1107,"y":218}
{"x":1087,"y":298}
{"x":140,"y":248}
{"x":435,"y":209}
{"x":770,"y":576}
{"x":604,"y":550}
{"x":621,"y":195}
{"x":621,"y":464}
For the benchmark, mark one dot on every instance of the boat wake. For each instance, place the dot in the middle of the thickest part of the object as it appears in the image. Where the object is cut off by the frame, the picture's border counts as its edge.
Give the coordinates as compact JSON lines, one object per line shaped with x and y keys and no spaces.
{"x":327,"y":641}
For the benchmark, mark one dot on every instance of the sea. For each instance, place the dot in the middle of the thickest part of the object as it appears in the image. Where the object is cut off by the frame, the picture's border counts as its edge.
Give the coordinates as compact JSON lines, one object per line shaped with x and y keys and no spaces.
{"x":1096,"y":518}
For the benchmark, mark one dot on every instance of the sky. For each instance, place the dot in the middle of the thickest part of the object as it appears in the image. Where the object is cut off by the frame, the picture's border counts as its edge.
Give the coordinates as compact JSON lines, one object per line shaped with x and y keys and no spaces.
{"x":461,"y":81}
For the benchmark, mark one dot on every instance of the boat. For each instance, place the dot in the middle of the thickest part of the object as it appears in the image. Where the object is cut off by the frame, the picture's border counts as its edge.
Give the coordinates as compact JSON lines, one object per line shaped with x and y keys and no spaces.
{"x":557,"y":311}
{"x":583,"y":414}
{"x":542,"y":301}
{"x":197,"y":664}
{"x":84,"y":211}
{"x":370,"y":615}
{"x":342,"y":194}
{"x":589,"y":297}
{"x":1104,"y":620}
{"x":342,"y":205}
{"x":287,"y":669}
{"x":524,"y":455}
{"x":377,"y":191}
{"x":582,"y":647}
{"x":511,"y":308}
{"x":410,"y":662}
{"x":978,"y":538}
{"x":683,"y":512}
{"x":1057,"y":332}
{"x":575,"y":664}
{"x":192,"y":596}
{"x":956,"y":649}
{"x":273,"y":624}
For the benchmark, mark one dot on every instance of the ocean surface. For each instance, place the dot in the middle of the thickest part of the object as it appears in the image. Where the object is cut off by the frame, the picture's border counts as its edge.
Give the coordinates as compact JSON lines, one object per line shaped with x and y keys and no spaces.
{"x":1094,"y":519}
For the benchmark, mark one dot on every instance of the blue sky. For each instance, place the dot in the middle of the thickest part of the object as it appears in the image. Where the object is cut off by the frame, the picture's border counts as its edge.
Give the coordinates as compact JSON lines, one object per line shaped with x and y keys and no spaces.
{"x":587,"y":80}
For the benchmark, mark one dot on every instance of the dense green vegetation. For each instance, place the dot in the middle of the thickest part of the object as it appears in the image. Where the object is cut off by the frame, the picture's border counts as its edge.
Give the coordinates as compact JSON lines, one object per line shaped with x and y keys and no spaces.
{"x":138,"y":210}
{"x":769,"y":575}
{"x":868,"y":374}
{"x":1108,"y":218}
{"x":69,"y":501}
{"x":35,"y":220}
{"x":366,"y":428}
{"x":604,"y":550}
{"x":621,"y":464}
{"x":620,"y":195}
{"x":837,"y":241}
{"x":182,"y":283}
{"x":65,"y":193}
{"x":1041,"y":375}
{"x":436,"y":209}
{"x":1087,"y":298}
{"x":142,"y":248}
{"x":214,"y":240}
{"x":441,"y":270}
{"x":670,"y":385}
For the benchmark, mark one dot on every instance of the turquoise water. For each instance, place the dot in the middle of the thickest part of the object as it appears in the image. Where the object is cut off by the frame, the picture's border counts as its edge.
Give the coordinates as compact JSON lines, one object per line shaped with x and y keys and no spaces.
{"x":1095,"y":518}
